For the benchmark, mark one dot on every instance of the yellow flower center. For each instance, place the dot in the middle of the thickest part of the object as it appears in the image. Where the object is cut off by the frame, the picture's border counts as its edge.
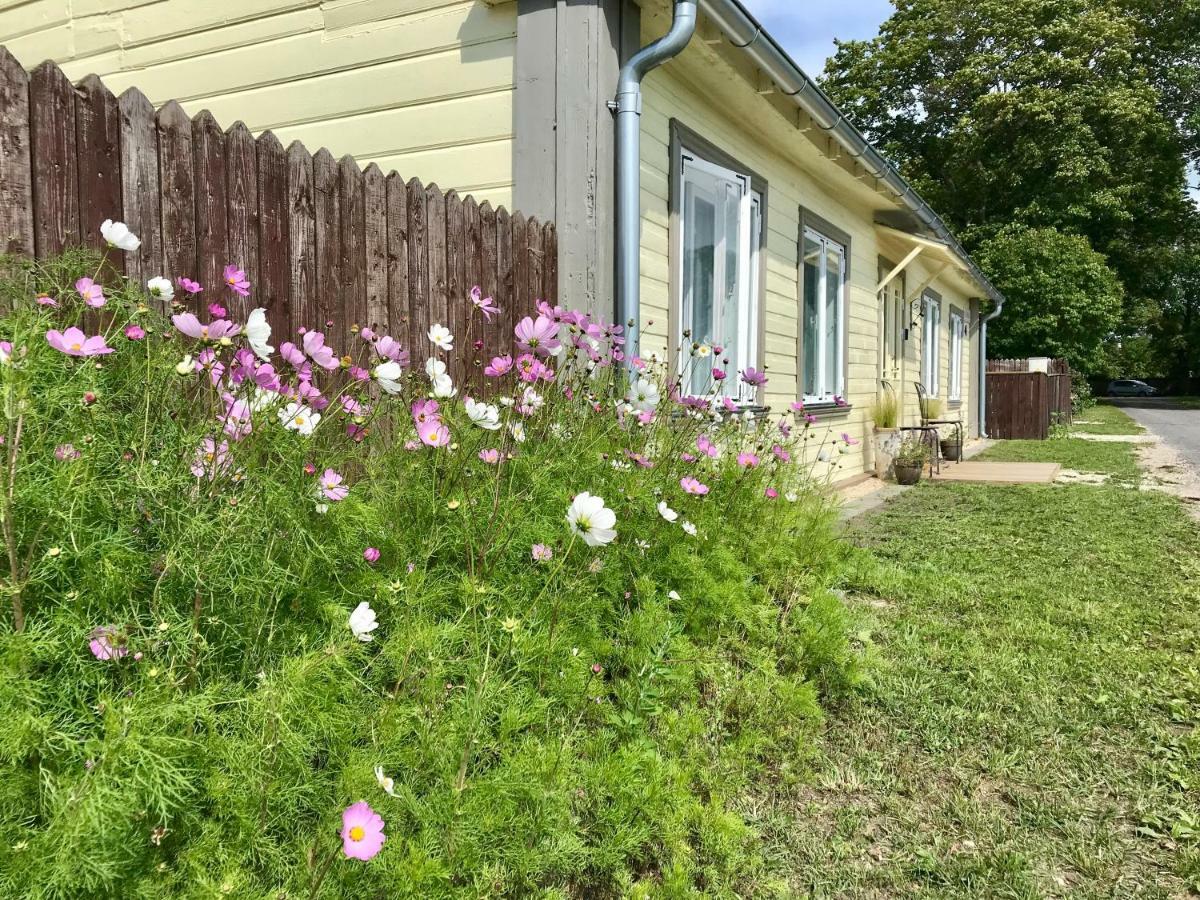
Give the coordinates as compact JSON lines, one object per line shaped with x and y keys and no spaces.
{"x":299,"y":420}
{"x":432,"y":436}
{"x":77,"y":346}
{"x":357,"y":834}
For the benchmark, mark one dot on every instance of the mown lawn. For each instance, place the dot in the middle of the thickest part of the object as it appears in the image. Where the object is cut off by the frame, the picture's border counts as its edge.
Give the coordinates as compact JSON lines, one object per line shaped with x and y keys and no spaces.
{"x":1105,"y":419}
{"x":1032,"y":730}
{"x":1113,"y":459}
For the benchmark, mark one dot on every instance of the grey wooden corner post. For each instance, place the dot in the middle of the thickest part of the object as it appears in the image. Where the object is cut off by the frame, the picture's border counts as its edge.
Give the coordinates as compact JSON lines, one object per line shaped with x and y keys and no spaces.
{"x":568,"y":55}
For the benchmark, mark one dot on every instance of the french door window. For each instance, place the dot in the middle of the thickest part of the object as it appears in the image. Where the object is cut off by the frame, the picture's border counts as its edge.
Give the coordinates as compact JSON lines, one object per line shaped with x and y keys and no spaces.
{"x":721,"y":219}
{"x":931,"y":345}
{"x":958,"y":331}
{"x":824,"y":275}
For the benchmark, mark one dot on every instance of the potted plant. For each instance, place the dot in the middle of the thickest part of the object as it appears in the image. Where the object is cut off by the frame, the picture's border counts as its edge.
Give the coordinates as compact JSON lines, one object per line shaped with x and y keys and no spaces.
{"x":885,"y":413}
{"x":948,"y":438}
{"x":910,"y":459}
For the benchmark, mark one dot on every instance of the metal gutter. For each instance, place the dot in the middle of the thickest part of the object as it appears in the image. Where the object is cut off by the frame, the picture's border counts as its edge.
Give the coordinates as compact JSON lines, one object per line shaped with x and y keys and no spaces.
{"x":745,"y":32}
{"x":983,"y":324}
{"x":628,"y":109}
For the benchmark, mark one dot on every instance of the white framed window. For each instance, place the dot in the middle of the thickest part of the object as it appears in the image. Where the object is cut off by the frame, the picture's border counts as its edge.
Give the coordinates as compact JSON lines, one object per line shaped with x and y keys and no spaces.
{"x":931,"y":344}
{"x":958,"y":333}
{"x":720,"y":238}
{"x":823,"y":316}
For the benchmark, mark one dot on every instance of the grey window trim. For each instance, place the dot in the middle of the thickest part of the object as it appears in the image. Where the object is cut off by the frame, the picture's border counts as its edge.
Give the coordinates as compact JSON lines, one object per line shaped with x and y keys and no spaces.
{"x":809,"y":219}
{"x":684,"y":139}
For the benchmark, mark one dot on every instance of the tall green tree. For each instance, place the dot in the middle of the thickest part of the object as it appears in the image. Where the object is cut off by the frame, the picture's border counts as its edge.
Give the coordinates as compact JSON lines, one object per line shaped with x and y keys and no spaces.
{"x":1061,"y":114}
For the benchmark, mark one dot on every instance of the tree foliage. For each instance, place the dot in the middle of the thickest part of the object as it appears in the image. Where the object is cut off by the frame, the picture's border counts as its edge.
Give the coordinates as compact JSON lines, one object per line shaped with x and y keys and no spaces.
{"x":1063,"y":114}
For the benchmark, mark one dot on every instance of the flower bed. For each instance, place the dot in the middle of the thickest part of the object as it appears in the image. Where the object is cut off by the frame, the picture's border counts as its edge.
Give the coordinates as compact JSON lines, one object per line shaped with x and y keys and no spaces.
{"x":287,"y":622}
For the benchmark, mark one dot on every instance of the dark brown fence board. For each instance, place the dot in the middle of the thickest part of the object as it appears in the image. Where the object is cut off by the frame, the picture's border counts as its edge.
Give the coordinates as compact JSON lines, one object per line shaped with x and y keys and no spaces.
{"x":376,"y":247}
{"x":303,"y":311}
{"x":177,"y":173}
{"x":212,"y":208}
{"x":98,"y":152}
{"x":353,"y":309}
{"x":327,"y":204}
{"x":55,"y":167}
{"x":533,"y":266}
{"x":435,"y":246}
{"x":241,"y":221}
{"x":458,"y":309}
{"x":520,"y":266}
{"x":140,"y":185}
{"x":273,"y":290}
{"x":504,"y":273}
{"x":16,"y":182}
{"x":549,"y":262}
{"x":418,"y":270}
{"x":397,"y":256}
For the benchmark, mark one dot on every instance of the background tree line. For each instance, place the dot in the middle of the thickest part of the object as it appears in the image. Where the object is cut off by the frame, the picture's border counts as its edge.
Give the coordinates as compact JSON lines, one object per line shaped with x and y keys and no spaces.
{"x":1055,"y":137}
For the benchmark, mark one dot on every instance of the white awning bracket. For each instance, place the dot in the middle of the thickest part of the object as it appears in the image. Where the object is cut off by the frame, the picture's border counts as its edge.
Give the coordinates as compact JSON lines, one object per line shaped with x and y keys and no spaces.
{"x":912,"y":254}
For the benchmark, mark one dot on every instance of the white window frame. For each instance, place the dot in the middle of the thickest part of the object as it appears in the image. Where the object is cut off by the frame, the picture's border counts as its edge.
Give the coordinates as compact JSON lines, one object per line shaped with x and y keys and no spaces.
{"x":958,"y":332}
{"x":750,"y":239}
{"x":931,"y":345}
{"x":825,"y":393}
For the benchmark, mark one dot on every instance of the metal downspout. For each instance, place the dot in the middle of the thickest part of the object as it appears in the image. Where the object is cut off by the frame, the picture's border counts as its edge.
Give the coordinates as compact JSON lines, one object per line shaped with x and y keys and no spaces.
{"x":983,"y":324}
{"x":628,"y":109}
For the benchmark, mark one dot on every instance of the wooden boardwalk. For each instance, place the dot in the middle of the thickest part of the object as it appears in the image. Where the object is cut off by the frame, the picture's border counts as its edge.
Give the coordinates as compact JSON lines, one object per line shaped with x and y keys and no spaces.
{"x":1000,"y":472}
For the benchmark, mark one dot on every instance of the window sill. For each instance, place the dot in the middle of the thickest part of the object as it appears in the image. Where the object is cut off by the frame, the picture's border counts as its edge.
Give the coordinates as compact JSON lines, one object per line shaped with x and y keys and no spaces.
{"x":954,"y":404}
{"x":826,"y":410}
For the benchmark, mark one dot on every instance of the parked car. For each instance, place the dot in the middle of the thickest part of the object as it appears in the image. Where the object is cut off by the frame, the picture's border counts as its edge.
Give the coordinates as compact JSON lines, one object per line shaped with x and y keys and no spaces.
{"x":1130,"y":387}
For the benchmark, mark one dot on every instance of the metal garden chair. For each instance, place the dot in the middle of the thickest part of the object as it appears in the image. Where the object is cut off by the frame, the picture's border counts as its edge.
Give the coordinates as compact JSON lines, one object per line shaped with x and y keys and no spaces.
{"x":926,"y":421}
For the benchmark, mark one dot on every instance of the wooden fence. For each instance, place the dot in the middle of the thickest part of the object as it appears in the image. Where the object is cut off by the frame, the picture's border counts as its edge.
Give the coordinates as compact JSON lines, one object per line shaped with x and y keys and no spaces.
{"x":321,"y":240}
{"x":1022,"y":404}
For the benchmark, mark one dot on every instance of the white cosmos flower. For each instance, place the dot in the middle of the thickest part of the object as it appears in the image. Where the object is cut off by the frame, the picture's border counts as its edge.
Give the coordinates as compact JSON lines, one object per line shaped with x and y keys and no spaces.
{"x":321,"y":508}
{"x":702,"y":351}
{"x":118,"y":235}
{"x":591,"y":520}
{"x":689,"y":528}
{"x":643,"y":394}
{"x":443,"y":387}
{"x":362,"y":621}
{"x":674,"y":595}
{"x":161,"y":288}
{"x":531,"y":401}
{"x":258,"y":332}
{"x":441,"y":337}
{"x":185,"y":366}
{"x":791,"y":496}
{"x":261,"y":399}
{"x":666,"y":512}
{"x":387,"y":375}
{"x":485,"y":415}
{"x":388,"y":784}
{"x":434,"y":368}
{"x":517,"y":430}
{"x":298,"y":417}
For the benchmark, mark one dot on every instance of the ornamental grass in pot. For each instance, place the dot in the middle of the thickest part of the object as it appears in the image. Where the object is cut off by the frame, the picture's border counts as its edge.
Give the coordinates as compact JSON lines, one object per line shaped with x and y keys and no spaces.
{"x":885,"y":413}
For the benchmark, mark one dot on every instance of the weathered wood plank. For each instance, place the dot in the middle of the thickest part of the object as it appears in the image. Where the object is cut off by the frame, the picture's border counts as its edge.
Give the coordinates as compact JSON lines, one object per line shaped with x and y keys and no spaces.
{"x":274,"y":239}
{"x":241,"y":223}
{"x":55,"y":168}
{"x":98,"y":153}
{"x":504,"y":279}
{"x":435,"y":246}
{"x":16,"y":165}
{"x":140,"y":184}
{"x":177,"y":173}
{"x":302,"y":240}
{"x":212,"y":209}
{"x":397,"y":256}
{"x":550,"y":263}
{"x":375,"y":193}
{"x":520,"y":268}
{"x":353,"y":313}
{"x":534,"y":261}
{"x":327,"y":204}
{"x":494,"y":339}
{"x":418,"y":270}
{"x":458,"y":307}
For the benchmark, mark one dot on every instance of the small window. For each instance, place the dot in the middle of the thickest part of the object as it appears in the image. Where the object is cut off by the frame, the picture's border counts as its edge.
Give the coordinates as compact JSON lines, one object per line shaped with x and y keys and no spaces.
{"x":824,"y":274}
{"x":958,"y":332}
{"x":931,"y":345}
{"x":721,"y":219}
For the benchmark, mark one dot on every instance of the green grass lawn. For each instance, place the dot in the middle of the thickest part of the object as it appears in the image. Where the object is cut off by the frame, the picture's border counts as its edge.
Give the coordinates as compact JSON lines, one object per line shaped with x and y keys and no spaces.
{"x":1032,"y":731}
{"x":1105,"y":419}
{"x":1115,"y":459}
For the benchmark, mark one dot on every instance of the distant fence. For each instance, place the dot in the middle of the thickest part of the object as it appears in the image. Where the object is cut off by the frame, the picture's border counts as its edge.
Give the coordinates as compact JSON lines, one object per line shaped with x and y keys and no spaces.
{"x":1022,"y":404}
{"x":321,"y":240}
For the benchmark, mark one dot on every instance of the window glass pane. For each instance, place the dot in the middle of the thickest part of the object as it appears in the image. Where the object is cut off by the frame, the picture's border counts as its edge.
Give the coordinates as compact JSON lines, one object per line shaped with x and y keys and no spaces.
{"x":812,"y":287}
{"x":832,"y":335}
{"x":727,"y":331}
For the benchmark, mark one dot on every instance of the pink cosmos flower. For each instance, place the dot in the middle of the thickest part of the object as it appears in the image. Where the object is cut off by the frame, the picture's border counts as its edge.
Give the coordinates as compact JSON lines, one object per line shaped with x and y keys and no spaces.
{"x":850,"y":442}
{"x":747,"y":460}
{"x":797,"y":406}
{"x":485,"y":305}
{"x":638,"y":363}
{"x":499,"y":366}
{"x":693,"y":486}
{"x":781,"y":454}
{"x":106,"y":643}
{"x":639,"y":458}
{"x":541,"y":553}
{"x":292,"y":355}
{"x":134,"y":332}
{"x":771,"y":494}
{"x":706,"y":446}
{"x":46,"y":300}
{"x":424,"y":411}
{"x":211,"y":458}
{"x":434,"y":433}
{"x":74,"y":342}
{"x":236,"y":280}
{"x":66,"y":452}
{"x":389,"y":348}
{"x":729,"y":405}
{"x":188,"y":324}
{"x":491,"y":456}
{"x":538,"y":336}
{"x":810,"y":419}
{"x":718,"y":374}
{"x":236,"y":420}
{"x":217,"y":310}
{"x":688,"y":457}
{"x":753,"y":377}
{"x":310,"y":469}
{"x":371,"y":555}
{"x":90,"y":292}
{"x":332,"y":487}
{"x":358,"y":373}
{"x":362,"y":832}
{"x":646,"y":417}
{"x":318,"y":352}
{"x":192,"y":287}
{"x":840,"y":402}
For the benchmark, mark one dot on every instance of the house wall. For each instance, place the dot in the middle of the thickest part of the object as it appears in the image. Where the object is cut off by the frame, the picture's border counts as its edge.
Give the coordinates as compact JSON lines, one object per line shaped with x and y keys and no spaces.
{"x":704,"y":93}
{"x":424,"y":87}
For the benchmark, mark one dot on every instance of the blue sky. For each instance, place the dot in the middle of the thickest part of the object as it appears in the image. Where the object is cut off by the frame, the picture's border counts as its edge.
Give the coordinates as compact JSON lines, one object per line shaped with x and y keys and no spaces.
{"x":806,"y":30}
